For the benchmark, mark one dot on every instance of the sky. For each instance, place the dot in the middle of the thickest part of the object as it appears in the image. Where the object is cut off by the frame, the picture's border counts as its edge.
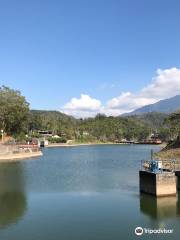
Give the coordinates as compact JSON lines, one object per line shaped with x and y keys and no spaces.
{"x":86,"y":57}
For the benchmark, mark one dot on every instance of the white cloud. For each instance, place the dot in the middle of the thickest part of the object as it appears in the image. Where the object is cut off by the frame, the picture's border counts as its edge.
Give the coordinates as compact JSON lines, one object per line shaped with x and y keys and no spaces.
{"x":127,"y":102}
{"x":165,"y":84}
{"x":84,"y":106}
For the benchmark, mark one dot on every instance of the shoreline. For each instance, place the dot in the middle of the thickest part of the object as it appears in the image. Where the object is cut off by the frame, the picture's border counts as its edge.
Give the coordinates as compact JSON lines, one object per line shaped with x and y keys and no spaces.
{"x":19,"y":156}
{"x":28,"y":155}
{"x":82,"y":144}
{"x":56,"y":145}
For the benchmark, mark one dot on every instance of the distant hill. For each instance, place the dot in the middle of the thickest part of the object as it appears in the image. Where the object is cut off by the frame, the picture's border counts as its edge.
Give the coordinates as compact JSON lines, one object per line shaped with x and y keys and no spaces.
{"x":52,"y":114}
{"x":52,"y":120}
{"x":153,"y":120}
{"x":164,"y":106}
{"x":100,"y":128}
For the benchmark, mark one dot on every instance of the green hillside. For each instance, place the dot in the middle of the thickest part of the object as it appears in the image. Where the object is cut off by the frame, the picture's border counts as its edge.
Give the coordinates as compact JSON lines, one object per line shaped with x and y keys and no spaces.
{"x":100,"y":128}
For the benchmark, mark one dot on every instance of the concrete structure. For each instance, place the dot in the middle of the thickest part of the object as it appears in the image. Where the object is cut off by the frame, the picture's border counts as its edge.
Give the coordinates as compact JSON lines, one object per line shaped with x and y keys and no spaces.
{"x":177,"y":173}
{"x":17,"y":152}
{"x":45,"y":133}
{"x":44,"y":142}
{"x":158,"y":184}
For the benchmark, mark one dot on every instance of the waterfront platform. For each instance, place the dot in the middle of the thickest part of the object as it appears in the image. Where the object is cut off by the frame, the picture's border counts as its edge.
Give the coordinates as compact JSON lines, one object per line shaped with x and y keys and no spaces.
{"x":18,"y":152}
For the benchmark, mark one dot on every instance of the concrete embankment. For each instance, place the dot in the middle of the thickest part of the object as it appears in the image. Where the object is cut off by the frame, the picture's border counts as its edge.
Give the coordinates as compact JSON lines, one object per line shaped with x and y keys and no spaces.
{"x":19,"y":156}
{"x":69,"y":145}
{"x":18,"y":152}
{"x":51,"y":145}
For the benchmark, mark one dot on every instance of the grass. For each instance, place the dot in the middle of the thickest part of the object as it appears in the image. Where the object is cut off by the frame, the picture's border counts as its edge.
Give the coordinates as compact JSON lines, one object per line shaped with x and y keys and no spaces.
{"x":168,"y":154}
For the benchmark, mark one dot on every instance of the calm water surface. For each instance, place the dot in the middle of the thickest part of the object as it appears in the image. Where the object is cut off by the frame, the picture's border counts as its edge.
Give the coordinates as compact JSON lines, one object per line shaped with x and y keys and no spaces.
{"x":87,"y":192}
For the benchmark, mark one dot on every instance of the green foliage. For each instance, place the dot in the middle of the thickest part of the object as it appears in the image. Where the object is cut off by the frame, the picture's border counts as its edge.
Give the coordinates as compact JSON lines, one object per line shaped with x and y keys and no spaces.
{"x":16,"y":119}
{"x":113,"y":129}
{"x":14,"y":110}
{"x":57,"y":140}
{"x":21,"y":137}
{"x":154,"y":120}
{"x":173,"y":122}
{"x":55,"y":121}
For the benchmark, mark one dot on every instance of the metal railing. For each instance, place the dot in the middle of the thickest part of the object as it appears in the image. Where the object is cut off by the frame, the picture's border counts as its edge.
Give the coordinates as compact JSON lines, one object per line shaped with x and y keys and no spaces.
{"x":163,"y":165}
{"x":16,"y":149}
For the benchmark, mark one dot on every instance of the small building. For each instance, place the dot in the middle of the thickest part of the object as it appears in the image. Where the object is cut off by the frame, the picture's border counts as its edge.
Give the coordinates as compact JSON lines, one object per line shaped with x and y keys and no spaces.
{"x":44,"y":143}
{"x":45,"y":133}
{"x":56,"y":136}
{"x":155,"y":138}
{"x":85,"y":133}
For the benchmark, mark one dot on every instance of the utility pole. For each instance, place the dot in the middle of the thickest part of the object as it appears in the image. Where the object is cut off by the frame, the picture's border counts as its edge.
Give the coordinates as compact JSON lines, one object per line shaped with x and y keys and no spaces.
{"x":2,"y":135}
{"x":152,"y":153}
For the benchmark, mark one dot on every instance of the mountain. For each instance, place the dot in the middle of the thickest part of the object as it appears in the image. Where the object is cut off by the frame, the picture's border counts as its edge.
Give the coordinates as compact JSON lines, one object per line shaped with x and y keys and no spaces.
{"x":52,"y":120}
{"x":153,"y":120}
{"x":52,"y":114}
{"x":164,"y":106}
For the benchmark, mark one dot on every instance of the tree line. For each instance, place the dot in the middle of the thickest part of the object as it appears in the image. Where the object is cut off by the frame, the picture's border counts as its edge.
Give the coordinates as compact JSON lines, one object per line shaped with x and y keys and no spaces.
{"x":16,"y":119}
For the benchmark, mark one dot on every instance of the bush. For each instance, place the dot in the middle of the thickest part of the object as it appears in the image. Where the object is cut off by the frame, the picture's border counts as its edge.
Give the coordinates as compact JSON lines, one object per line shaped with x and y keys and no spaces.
{"x":57,"y":140}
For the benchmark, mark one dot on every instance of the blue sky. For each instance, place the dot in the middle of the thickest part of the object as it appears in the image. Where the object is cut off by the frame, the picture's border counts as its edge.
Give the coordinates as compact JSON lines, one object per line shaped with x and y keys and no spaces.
{"x":104,"y":50}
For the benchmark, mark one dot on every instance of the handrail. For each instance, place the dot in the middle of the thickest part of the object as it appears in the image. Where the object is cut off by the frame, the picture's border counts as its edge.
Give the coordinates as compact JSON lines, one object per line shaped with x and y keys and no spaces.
{"x":13,"y":149}
{"x":162,"y":165}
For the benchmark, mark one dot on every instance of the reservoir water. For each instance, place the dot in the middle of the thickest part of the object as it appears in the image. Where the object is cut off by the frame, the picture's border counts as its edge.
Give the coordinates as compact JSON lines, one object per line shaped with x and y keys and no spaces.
{"x":85,"y":192}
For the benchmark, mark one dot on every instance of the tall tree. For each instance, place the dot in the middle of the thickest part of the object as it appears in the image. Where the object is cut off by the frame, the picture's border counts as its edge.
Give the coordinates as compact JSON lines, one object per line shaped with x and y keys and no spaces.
{"x":174,"y":122}
{"x":14,"y":111}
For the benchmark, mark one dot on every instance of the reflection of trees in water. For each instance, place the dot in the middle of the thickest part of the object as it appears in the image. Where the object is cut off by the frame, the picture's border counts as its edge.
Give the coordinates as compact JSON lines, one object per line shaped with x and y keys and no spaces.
{"x":158,"y":208}
{"x":12,"y":207}
{"x":12,"y":196}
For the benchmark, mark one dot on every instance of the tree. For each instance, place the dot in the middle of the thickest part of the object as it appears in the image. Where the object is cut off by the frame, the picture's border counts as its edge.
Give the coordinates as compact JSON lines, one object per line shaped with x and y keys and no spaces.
{"x":14,"y":111}
{"x":173,"y":121}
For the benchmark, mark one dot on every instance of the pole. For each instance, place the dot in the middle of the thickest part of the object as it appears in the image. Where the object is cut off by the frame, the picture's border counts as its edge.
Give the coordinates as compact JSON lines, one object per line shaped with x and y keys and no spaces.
{"x":151,"y":154}
{"x":2,"y":133}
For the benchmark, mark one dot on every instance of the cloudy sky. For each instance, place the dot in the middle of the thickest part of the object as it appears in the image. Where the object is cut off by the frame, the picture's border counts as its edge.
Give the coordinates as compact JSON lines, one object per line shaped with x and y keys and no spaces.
{"x":84,"y":57}
{"x":165,"y":84}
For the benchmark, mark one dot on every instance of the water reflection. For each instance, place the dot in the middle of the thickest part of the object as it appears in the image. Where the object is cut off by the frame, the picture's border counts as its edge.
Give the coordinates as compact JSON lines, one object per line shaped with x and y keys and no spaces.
{"x":159,"y":208}
{"x":178,"y":204}
{"x":84,"y":169}
{"x":12,"y":197}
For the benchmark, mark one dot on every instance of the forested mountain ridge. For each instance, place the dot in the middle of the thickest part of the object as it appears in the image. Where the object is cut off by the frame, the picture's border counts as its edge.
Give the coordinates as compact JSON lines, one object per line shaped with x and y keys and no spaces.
{"x":165,"y":106}
{"x":99,"y":128}
{"x":51,"y":120}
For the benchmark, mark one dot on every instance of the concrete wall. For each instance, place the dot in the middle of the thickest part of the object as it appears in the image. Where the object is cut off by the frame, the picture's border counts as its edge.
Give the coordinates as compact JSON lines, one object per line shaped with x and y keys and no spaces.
{"x":147,"y":182}
{"x":165,"y":184}
{"x":158,"y":184}
{"x":178,"y":179}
